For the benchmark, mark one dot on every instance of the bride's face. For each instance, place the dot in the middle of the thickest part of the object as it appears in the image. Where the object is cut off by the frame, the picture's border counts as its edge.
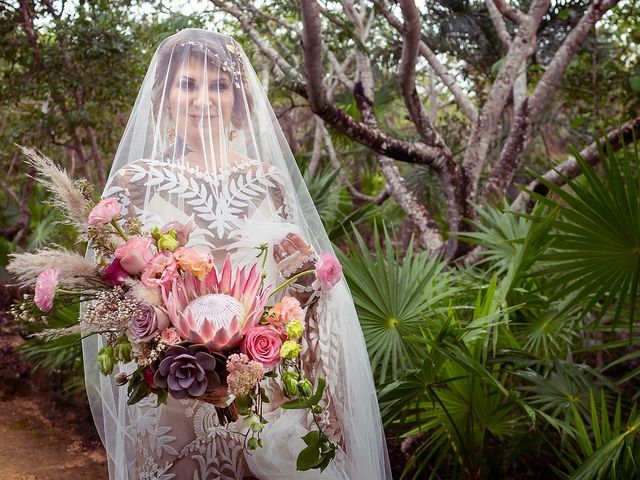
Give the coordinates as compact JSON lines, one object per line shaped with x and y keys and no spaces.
{"x":202,"y":94}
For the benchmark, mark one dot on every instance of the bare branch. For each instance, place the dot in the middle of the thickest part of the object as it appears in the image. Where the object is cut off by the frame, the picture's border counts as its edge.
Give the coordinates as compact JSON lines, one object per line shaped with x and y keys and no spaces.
{"x":355,"y":193}
{"x":498,"y":23}
{"x":441,"y":71}
{"x":522,"y":45}
{"x":516,"y":16}
{"x":290,"y":74}
{"x":529,"y":113}
{"x":407,"y":73}
{"x":617,"y":138}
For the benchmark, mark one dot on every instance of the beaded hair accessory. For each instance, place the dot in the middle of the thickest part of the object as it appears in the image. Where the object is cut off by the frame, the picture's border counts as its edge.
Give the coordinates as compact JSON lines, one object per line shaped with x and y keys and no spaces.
{"x":228,"y":66}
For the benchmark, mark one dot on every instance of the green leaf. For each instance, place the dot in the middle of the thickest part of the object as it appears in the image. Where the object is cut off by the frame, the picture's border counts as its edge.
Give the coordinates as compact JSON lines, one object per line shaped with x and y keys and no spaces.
{"x":312,"y":438}
{"x":243,"y":404}
{"x":634,"y":83}
{"x":315,"y":398}
{"x":308,"y":458}
{"x":295,"y":404}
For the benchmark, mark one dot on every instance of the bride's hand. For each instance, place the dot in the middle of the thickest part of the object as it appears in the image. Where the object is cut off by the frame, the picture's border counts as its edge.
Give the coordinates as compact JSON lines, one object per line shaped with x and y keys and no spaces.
{"x":290,"y":247}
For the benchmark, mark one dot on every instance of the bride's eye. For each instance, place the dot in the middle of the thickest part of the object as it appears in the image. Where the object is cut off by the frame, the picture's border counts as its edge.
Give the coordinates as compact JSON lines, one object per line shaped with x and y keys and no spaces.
{"x":187,"y":84}
{"x":221,"y":85}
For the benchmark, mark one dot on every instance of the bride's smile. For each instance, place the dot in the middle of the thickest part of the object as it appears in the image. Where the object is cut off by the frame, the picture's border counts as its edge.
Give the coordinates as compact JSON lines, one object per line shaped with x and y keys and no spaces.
{"x":201,"y":97}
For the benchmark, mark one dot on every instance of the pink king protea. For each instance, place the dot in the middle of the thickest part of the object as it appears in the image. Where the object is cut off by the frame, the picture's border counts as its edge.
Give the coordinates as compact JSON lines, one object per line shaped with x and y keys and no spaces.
{"x":218,"y":310}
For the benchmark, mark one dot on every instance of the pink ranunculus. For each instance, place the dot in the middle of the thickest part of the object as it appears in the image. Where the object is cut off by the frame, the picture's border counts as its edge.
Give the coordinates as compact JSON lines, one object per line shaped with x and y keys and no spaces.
{"x":170,"y":336}
{"x":105,"y":211}
{"x":194,"y":261}
{"x":114,"y":274}
{"x":182,"y":230}
{"x":160,"y":271}
{"x":134,"y":254}
{"x":46,"y":286}
{"x":262,"y":344}
{"x":328,"y":271}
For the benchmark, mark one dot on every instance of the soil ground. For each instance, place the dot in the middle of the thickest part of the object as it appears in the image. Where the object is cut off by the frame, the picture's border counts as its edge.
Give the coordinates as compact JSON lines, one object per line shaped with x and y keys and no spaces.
{"x":44,"y":435}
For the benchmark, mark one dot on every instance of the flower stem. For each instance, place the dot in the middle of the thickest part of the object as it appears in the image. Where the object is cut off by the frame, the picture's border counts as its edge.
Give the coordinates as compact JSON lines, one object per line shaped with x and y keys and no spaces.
{"x":119,"y":230}
{"x":290,"y":280}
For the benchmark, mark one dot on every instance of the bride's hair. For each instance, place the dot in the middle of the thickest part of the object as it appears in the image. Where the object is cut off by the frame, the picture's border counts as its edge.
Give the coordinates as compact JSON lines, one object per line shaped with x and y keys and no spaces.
{"x":220,"y":50}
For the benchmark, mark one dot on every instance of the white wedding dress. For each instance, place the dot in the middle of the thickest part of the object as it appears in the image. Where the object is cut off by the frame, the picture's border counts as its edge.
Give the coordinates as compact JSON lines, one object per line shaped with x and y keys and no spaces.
{"x":202,"y":103}
{"x":235,"y":210}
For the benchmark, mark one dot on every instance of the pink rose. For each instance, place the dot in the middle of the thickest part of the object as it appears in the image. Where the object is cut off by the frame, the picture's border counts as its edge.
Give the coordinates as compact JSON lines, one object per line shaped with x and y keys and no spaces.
{"x":262,"y":344}
{"x":148,"y":321}
{"x":114,"y":274}
{"x":105,"y":211}
{"x":182,"y":230}
{"x":46,"y":286}
{"x":194,"y":261}
{"x":170,"y":336}
{"x":160,"y":271}
{"x":134,"y":254}
{"x":328,"y":271}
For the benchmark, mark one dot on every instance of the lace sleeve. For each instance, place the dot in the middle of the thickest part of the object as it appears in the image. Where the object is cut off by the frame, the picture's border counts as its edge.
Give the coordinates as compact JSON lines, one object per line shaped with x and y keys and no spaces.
{"x":321,"y":352}
{"x":298,"y":261}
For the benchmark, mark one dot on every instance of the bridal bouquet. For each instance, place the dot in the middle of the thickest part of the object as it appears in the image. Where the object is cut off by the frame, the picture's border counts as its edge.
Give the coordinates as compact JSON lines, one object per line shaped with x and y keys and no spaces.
{"x":174,"y":324}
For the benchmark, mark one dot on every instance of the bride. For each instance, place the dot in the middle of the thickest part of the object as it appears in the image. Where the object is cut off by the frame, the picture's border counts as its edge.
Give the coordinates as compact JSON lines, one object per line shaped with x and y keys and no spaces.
{"x":203,"y":145}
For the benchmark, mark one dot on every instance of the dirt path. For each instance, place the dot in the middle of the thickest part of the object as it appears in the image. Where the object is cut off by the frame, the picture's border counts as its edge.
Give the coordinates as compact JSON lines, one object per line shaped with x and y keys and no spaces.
{"x":33,"y":448}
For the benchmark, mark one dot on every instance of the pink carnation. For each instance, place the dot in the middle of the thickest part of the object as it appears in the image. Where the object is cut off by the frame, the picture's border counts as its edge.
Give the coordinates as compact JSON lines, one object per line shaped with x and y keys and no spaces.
{"x":160,"y":272}
{"x":46,"y":286}
{"x":135,"y":254}
{"x":105,"y":211}
{"x":328,"y":271}
{"x":170,"y":336}
{"x":262,"y":344}
{"x":194,"y":261}
{"x":283,"y":312}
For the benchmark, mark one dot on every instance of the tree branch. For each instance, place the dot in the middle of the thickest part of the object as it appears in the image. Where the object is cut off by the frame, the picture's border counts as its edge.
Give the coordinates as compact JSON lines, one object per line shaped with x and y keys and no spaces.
{"x":498,"y":23}
{"x":407,"y":73}
{"x":516,"y":16}
{"x":522,"y":45}
{"x":466,"y":105}
{"x":569,"y":169}
{"x":529,"y":112}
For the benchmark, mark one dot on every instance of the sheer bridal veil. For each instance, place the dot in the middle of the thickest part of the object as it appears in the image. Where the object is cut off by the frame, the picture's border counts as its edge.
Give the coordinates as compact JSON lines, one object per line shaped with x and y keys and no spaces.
{"x":187,"y":130}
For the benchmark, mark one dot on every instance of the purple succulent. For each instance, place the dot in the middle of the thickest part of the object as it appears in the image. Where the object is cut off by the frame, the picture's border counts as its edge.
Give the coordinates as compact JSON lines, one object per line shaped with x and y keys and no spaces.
{"x":187,"y":371}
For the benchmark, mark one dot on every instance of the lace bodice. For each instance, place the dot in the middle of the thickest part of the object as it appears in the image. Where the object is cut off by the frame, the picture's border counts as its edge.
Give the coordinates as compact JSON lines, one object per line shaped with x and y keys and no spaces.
{"x":235,"y":210}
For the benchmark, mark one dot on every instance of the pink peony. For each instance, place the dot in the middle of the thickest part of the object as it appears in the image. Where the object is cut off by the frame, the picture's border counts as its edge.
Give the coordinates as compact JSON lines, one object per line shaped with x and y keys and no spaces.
{"x":182,"y":230}
{"x":114,"y":274}
{"x":262,"y":344}
{"x":135,"y":254}
{"x":170,"y":336}
{"x":46,"y":288}
{"x":194,"y":261}
{"x":328,"y":271}
{"x":105,"y":211}
{"x":160,"y":271}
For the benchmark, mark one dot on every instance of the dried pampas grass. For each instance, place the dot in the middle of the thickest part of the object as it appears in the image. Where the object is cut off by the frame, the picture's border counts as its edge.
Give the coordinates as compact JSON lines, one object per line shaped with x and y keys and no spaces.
{"x":142,"y":293}
{"x":74,"y":269}
{"x":66,"y":194}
